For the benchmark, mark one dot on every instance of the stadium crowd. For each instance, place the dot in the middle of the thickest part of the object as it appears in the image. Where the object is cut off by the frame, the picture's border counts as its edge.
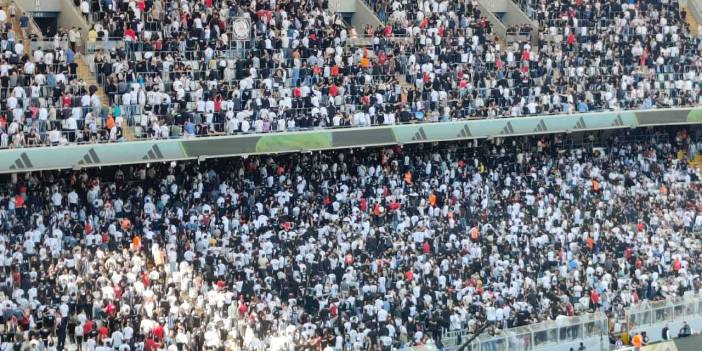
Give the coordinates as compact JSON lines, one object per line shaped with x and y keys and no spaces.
{"x":373,"y":249}
{"x":43,"y":100}
{"x":178,"y":71}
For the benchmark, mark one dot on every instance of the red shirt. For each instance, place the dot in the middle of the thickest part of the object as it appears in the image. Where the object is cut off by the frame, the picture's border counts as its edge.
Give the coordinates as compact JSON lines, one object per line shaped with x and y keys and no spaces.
{"x":158,"y":332}
{"x":130,"y":33}
{"x":426,"y":248}
{"x":102,"y":332}
{"x":242,"y":308}
{"x":382,"y":57}
{"x":19,"y":201}
{"x":110,"y":309}
{"x":424,"y":23}
{"x":87,"y":327}
{"x":150,"y":345}
{"x":525,"y":55}
{"x":594,"y":296}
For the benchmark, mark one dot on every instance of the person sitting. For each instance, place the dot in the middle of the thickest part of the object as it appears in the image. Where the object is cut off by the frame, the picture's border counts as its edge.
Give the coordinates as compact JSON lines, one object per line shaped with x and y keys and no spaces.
{"x":685,"y":330}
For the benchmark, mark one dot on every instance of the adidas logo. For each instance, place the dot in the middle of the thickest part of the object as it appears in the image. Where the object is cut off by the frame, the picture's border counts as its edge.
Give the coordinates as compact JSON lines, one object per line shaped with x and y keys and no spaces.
{"x":421,"y":135}
{"x":90,"y":158}
{"x":618,"y":122}
{"x":153,"y":154}
{"x":465,"y":132}
{"x":508,"y":129}
{"x":22,"y":162}
{"x":541,"y":127}
{"x":581,"y":124}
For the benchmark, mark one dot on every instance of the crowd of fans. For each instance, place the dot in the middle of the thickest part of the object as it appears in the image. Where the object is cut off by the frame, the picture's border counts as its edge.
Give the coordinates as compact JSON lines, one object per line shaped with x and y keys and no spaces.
{"x":178,"y":70}
{"x":373,"y":249}
{"x":43,"y":101}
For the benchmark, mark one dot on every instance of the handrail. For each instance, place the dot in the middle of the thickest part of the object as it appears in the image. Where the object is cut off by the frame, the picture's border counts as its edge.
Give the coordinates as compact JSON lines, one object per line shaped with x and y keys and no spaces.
{"x":691,"y":305}
{"x":33,"y":26}
{"x":426,"y":122}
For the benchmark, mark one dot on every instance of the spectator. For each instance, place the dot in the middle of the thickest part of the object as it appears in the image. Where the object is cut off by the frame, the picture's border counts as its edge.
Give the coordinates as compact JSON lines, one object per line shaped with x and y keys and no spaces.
{"x":685,"y":330}
{"x":349,"y":248}
{"x":665,"y":333}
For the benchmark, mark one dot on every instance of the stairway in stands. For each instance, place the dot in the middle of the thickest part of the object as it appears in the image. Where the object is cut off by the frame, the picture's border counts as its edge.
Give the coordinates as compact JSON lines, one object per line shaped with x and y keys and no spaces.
{"x":690,"y":19}
{"x":18,"y":31}
{"x":89,"y":78}
{"x":696,"y":162}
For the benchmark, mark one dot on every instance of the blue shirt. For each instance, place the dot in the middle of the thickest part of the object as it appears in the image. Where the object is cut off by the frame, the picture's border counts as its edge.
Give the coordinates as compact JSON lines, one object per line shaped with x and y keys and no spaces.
{"x":582,"y":107}
{"x":70,"y":56}
{"x":189,"y":127}
{"x":647,"y":104}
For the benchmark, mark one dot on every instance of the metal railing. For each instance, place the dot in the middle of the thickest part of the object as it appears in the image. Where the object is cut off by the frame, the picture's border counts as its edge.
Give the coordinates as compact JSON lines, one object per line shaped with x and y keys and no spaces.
{"x":533,"y":336}
{"x":33,"y":28}
{"x":568,"y":329}
{"x":653,"y":312}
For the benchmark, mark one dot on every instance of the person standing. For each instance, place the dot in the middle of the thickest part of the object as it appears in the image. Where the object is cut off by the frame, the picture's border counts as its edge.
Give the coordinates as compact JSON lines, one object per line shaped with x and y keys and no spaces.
{"x":74,"y":37}
{"x":665,"y":333}
{"x":637,"y":341}
{"x":61,"y":333}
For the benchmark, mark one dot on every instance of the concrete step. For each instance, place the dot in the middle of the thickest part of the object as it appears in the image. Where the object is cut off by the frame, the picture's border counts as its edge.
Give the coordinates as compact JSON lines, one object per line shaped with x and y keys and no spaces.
{"x":691,"y":20}
{"x":88,"y":77}
{"x":681,"y":155}
{"x":17,"y":28}
{"x":84,"y":73}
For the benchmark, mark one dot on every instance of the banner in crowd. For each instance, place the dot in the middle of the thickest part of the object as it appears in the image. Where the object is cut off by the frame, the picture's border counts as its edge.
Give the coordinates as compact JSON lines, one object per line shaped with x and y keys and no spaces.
{"x":96,"y":155}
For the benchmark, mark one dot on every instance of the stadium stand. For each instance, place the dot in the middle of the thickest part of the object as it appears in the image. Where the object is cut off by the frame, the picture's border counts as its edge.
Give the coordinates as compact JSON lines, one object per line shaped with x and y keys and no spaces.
{"x":176,"y":70}
{"x":376,"y":248}
{"x":354,"y":249}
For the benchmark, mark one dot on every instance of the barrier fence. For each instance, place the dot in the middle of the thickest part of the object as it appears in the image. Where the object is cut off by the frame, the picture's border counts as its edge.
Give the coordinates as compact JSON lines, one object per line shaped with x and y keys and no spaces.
{"x":592,"y":326}
{"x":650,"y":313}
{"x":533,"y":336}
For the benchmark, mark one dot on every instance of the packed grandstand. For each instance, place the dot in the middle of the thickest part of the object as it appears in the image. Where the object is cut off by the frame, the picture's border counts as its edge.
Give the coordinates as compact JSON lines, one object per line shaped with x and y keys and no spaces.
{"x":374,"y":248}
{"x":176,"y":70}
